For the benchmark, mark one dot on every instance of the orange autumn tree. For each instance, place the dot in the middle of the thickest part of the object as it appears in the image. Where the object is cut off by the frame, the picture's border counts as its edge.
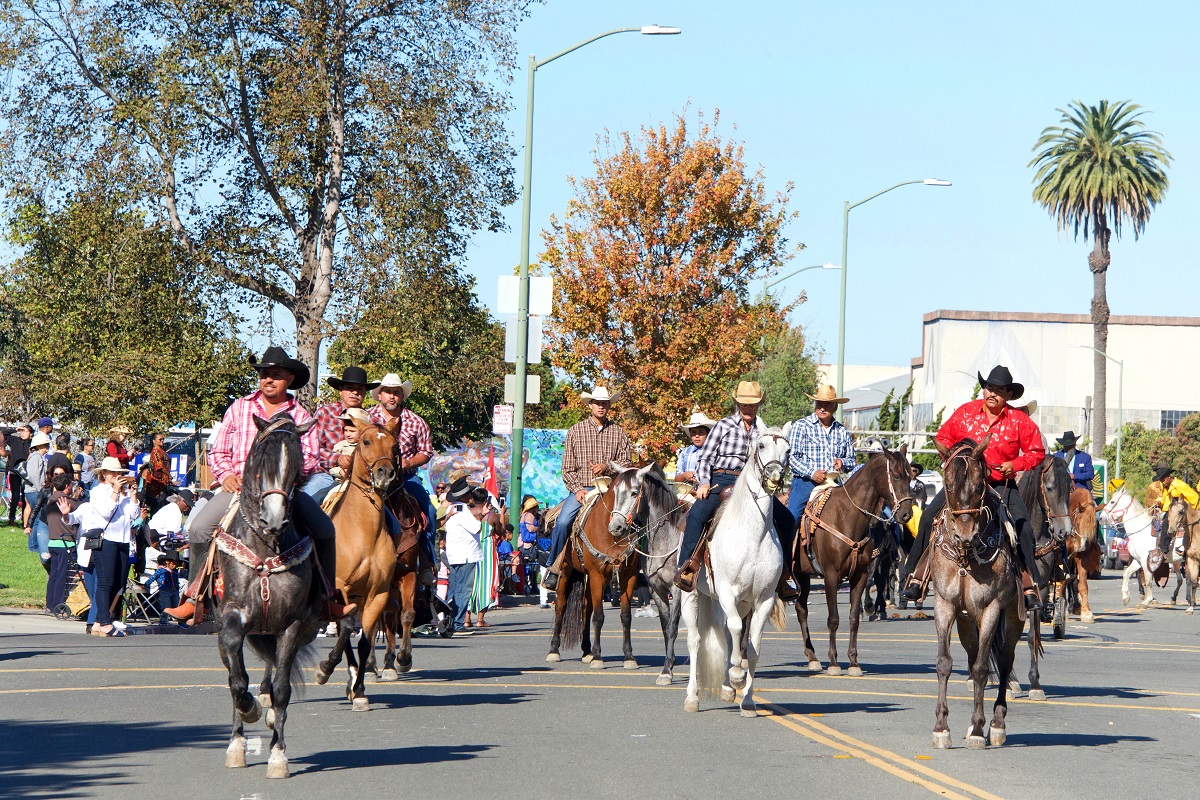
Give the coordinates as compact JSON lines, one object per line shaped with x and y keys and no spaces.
{"x":652,"y":269}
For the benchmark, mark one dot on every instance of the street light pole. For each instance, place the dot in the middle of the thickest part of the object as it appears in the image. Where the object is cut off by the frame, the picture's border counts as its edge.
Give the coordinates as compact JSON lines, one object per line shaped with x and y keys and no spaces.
{"x":1120,"y":400}
{"x":521,"y":363}
{"x":846,"y":206}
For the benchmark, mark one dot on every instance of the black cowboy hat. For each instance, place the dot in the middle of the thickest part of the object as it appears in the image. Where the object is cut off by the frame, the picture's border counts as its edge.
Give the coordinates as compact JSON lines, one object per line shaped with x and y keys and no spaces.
{"x":1000,"y":376}
{"x":1162,"y":470}
{"x":1068,"y":440}
{"x":188,"y":496}
{"x":352,"y":375}
{"x":170,"y":554}
{"x":278,"y":357}
{"x":459,"y":490}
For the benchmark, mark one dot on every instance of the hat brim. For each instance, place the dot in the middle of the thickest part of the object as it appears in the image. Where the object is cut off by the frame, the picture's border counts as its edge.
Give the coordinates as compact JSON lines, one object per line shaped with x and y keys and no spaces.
{"x":1017,"y":389}
{"x":1159,"y":474}
{"x":588,"y":397}
{"x":748,"y":399}
{"x":298,"y":369}
{"x":337,"y":384}
{"x":405,"y":390}
{"x":1065,"y":442}
{"x":838,"y":400}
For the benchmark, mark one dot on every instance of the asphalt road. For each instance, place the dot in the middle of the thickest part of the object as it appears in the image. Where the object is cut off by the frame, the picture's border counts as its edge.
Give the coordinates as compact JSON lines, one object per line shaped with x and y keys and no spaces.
{"x":486,"y":716}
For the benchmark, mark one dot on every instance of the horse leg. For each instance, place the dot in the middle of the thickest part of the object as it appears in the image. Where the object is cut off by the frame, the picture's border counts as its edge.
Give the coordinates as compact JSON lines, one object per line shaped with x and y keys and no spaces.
{"x":1035,"y":676}
{"x":264,"y":688}
{"x":735,"y":674}
{"x":943,"y":614}
{"x":667,"y":604}
{"x":286,"y":646}
{"x":371,"y":613}
{"x":1012,"y":634}
{"x":245,"y":707}
{"x":1193,"y":572}
{"x":560,"y":605}
{"x":833,"y":580}
{"x":856,"y":612}
{"x":596,"y":583}
{"x":388,"y":624}
{"x":1081,"y":586}
{"x":758,"y":618}
{"x":1129,"y":570}
{"x":981,"y":667}
{"x":629,"y":587}
{"x":689,"y":611}
{"x":408,"y":616}
{"x":326,"y":667}
{"x":805,"y":586}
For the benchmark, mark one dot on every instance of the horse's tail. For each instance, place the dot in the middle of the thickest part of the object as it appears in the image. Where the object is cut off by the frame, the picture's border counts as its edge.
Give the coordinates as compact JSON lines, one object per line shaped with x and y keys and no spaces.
{"x":714,"y":656}
{"x":306,"y":657}
{"x":1035,"y":635}
{"x":778,"y":617}
{"x":572,"y":621}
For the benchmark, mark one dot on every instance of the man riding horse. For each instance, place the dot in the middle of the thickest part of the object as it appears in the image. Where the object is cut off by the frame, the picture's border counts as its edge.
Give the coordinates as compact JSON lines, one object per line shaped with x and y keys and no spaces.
{"x":1172,"y":488}
{"x":591,"y":447}
{"x":819,"y":444}
{"x":1078,"y":462}
{"x":277,"y":372}
{"x":718,"y":465}
{"x":332,"y":429}
{"x":1014,"y":445}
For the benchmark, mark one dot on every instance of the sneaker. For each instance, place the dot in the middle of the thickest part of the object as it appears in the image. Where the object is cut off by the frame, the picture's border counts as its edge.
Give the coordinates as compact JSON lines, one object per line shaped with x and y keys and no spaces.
{"x":459,"y":630}
{"x":119,"y":625}
{"x":543,"y":605}
{"x":646,"y":611}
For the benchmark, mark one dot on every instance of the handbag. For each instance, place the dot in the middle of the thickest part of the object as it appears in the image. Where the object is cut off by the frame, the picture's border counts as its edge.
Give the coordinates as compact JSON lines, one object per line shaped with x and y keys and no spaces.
{"x":93,"y":538}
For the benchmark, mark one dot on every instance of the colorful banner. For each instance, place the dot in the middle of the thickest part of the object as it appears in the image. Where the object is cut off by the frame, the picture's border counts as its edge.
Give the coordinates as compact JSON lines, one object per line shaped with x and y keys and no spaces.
{"x":541,"y":474}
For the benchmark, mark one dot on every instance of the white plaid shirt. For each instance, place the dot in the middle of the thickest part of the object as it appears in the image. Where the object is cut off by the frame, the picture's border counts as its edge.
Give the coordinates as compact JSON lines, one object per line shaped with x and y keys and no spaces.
{"x":727,"y":447}
{"x":814,"y":447}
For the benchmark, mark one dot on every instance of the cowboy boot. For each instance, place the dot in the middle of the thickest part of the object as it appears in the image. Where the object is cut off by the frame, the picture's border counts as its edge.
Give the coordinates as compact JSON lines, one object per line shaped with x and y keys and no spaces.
{"x":335,"y":606}
{"x":550,"y":580}
{"x":197,"y":555}
{"x":1033,"y":600}
{"x":915,"y":590}
{"x":787,"y":590}
{"x":685,"y":577}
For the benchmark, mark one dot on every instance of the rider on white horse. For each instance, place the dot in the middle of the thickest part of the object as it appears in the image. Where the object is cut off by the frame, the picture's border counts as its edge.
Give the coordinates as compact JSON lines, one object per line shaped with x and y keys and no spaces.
{"x":1172,"y":488}
{"x":718,"y":465}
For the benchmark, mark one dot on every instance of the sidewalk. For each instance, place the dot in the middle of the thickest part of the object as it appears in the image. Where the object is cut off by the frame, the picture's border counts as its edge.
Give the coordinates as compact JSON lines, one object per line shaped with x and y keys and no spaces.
{"x":31,"y":621}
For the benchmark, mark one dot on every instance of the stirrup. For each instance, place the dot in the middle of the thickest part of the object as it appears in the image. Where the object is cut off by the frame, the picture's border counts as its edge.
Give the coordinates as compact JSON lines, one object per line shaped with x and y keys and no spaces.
{"x":685,"y":577}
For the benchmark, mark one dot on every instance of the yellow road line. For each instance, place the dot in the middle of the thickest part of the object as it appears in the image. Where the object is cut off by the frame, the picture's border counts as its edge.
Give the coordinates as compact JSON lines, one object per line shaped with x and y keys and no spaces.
{"x":967,"y":699}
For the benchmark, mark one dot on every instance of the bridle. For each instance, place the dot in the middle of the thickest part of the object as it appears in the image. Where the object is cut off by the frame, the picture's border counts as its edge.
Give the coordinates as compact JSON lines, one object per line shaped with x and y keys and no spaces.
{"x":763,"y":466}
{"x":960,"y":548}
{"x":1046,"y":497}
{"x":960,"y":453}
{"x":891,"y":490}
{"x":636,"y":529}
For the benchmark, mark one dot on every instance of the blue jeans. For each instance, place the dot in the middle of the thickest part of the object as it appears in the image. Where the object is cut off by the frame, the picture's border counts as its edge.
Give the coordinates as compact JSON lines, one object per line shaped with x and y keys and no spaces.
{"x":462,"y":581}
{"x":802,"y":489}
{"x":703,"y":510}
{"x":562,"y":526}
{"x":418,"y":492}
{"x":89,"y":585}
{"x":318,"y":485}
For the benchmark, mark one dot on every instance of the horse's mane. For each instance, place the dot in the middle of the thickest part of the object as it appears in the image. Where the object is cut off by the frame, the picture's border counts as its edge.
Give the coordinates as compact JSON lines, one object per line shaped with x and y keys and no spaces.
{"x":1029,"y":485}
{"x":664,"y":495}
{"x":1083,"y":514}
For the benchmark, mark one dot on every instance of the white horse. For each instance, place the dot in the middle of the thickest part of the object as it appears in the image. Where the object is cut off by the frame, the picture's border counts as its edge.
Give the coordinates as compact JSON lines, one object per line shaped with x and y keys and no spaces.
{"x":726,"y":611}
{"x":1123,"y":508}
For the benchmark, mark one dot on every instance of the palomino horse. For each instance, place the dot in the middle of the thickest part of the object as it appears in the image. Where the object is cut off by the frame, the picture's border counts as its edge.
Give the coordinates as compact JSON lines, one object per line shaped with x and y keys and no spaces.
{"x":271,"y":599}
{"x":592,"y":558}
{"x":975,"y":585}
{"x":1083,"y":551}
{"x":366,"y":556}
{"x":1184,"y":520}
{"x":735,"y":590}
{"x":842,"y":544}
{"x":1123,"y":509}
{"x":644,"y":502}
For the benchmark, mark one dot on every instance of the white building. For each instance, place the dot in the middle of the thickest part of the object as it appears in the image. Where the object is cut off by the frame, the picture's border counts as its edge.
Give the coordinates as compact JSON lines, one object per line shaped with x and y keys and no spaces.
{"x":1048,"y":354}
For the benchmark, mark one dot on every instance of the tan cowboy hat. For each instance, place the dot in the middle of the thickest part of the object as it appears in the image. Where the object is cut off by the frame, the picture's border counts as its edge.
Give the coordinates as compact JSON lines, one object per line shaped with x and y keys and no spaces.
{"x":600,"y":394}
{"x":121,"y":429}
{"x":749,"y":392}
{"x":39,"y":439}
{"x":530,"y":504}
{"x":826,"y":394}
{"x":111,"y":464}
{"x":355,"y":415}
{"x":698,"y":420}
{"x":392,"y":382}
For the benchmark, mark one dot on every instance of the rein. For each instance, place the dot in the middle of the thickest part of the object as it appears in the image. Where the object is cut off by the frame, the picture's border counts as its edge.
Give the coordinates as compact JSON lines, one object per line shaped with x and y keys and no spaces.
{"x":265,"y":567}
{"x":964,"y":553}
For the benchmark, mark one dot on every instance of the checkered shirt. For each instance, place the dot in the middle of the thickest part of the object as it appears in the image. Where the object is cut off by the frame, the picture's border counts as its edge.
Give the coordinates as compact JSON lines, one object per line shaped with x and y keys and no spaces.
{"x":587,"y":443}
{"x":227,"y":455}
{"x":727,"y":447}
{"x":814,"y":447}
{"x":330,"y":431}
{"x":412,"y":439}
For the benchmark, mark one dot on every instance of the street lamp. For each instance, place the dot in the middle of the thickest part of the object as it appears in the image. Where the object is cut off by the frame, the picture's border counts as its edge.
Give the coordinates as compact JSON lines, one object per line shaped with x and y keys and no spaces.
{"x":845,"y":232}
{"x":1120,"y":400}
{"x":797,"y":272}
{"x":518,"y":434}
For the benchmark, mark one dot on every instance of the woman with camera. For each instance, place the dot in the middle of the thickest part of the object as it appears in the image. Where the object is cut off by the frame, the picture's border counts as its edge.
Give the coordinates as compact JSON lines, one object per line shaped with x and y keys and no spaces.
{"x":105,"y":522}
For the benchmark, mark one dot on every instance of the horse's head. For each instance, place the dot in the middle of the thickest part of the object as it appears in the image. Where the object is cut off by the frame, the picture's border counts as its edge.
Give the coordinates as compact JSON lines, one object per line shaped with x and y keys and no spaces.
{"x":1177,"y":516}
{"x":629,"y":498}
{"x":375,"y":461}
{"x":1056,"y":487}
{"x":892,"y":483}
{"x":769,"y":455}
{"x":1117,"y":508}
{"x":269,"y":477}
{"x":1083,"y":514}
{"x":964,"y":476}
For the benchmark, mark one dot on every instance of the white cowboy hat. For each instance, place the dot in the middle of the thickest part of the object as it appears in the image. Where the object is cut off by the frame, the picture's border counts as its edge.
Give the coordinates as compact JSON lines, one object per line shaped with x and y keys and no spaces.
{"x":38,"y":440}
{"x":599,"y":394}
{"x":698,"y":420}
{"x":355,"y":414}
{"x":826,"y":394}
{"x":111,"y":464}
{"x":392,"y":382}
{"x":748,"y":392}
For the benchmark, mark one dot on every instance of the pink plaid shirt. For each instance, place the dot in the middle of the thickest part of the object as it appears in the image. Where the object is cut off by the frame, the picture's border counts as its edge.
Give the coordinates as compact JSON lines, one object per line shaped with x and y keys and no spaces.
{"x":228,"y":452}
{"x":412,"y":438}
{"x":330,"y":431}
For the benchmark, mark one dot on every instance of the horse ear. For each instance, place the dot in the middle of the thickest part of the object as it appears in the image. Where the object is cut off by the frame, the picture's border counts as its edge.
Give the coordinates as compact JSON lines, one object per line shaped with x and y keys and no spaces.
{"x":617,"y":468}
{"x":260,"y":423}
{"x":979,"y":448}
{"x":306,"y":427}
{"x":903,"y":451}
{"x":393,"y":425}
{"x":646,"y":470}
{"x":943,"y":451}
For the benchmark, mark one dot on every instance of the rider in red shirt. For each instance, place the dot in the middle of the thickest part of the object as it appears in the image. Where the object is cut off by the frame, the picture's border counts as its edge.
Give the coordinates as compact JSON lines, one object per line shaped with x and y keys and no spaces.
{"x":1015,"y":445}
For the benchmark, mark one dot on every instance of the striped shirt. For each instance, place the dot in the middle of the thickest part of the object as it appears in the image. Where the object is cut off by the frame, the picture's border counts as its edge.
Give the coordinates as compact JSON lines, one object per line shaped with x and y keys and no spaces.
{"x":588,"y":443}
{"x":412,"y":439}
{"x":814,"y":447}
{"x":727,"y":447}
{"x":227,"y":454}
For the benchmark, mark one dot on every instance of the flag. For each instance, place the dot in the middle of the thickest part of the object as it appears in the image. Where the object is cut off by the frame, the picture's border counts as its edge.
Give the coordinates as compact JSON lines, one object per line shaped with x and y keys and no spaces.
{"x":490,"y":483}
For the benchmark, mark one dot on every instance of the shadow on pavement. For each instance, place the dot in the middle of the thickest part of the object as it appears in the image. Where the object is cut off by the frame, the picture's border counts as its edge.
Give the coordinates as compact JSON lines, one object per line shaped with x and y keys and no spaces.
{"x":332,"y":760}
{"x":830,"y":709}
{"x":16,"y":655}
{"x":1123,"y":692}
{"x":1070,"y":739}
{"x":420,"y":698}
{"x":59,"y":759}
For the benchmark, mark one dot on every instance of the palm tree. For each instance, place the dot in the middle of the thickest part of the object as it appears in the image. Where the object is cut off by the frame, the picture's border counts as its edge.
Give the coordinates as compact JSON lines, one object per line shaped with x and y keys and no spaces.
{"x":1100,"y":169}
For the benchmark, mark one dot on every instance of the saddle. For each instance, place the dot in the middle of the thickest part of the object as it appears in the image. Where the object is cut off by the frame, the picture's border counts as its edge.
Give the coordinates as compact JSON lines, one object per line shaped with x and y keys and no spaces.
{"x":802,"y":549}
{"x":412,"y":517}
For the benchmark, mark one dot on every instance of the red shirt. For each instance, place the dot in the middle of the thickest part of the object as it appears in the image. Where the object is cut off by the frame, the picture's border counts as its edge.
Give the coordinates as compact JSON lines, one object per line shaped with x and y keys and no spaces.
{"x":331,"y":431}
{"x":413,"y":437}
{"x":117,"y":451}
{"x":1015,"y":437}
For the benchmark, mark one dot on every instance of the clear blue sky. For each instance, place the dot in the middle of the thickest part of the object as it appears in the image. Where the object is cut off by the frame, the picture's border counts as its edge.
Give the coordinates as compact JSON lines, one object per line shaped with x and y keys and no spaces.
{"x":846,"y":99}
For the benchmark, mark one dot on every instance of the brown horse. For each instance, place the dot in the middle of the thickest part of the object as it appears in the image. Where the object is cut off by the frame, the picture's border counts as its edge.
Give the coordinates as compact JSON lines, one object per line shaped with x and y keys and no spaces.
{"x":401,"y":612}
{"x":592,"y":559}
{"x":842,"y":545}
{"x":975,"y":584}
{"x":1083,"y":551}
{"x":366,"y":555}
{"x":1185,"y":520}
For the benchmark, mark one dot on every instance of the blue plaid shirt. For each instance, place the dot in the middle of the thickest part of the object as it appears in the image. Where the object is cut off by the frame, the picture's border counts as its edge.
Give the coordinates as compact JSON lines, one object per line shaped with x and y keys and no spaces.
{"x":815,"y":447}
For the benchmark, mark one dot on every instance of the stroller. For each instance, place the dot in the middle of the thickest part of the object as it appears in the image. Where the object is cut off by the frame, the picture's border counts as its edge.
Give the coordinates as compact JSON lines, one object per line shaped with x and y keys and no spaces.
{"x":77,"y":604}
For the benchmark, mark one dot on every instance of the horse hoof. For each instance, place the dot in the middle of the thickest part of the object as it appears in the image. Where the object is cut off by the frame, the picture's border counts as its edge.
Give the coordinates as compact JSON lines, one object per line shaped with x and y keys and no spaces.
{"x":815,"y":666}
{"x":553,"y":658}
{"x":630,"y":664}
{"x":597,"y":663}
{"x":1088,"y":619}
{"x":727,"y":694}
{"x":269,"y":718}
{"x":1125,"y":600}
{"x":1037,"y":695}
{"x":235,"y":756}
{"x":587,"y":659}
{"x":264,"y":700}
{"x":360,"y":704}
{"x":1189,"y":610}
{"x":749,"y":713}
{"x":322,"y":677}
{"x":996,"y":736}
{"x":278,"y":769}
{"x":253,"y":715}
{"x":941,"y":740}
{"x":404,"y":667}
{"x":663,"y":679}
{"x":976,"y":743}
{"x":388,"y":675}
{"x":834,"y":669}
{"x":691,"y":704}
{"x":855,"y":672}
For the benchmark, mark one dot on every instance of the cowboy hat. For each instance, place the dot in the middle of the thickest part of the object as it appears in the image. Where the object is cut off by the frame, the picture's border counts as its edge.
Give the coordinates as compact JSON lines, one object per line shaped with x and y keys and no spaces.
{"x":355,"y":415}
{"x":827,"y":394}
{"x":170,"y":554}
{"x":1162,"y":470}
{"x":1000,"y":376}
{"x":530,"y":504}
{"x":278,"y":357}
{"x":38,"y":440}
{"x":125,"y":429}
{"x":1068,"y":440}
{"x":599,"y":394}
{"x":392,"y":383}
{"x":748,"y":392}
{"x":458,"y":490}
{"x":698,"y":420}
{"x":111,"y":464}
{"x":351,"y":375}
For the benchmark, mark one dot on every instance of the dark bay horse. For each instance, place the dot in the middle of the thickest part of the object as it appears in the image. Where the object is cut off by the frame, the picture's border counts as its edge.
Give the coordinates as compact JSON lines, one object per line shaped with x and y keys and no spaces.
{"x":401,"y":614}
{"x":271,"y":599}
{"x":842,"y":545}
{"x":366,"y":555}
{"x":1046,"y":490}
{"x":594,"y":557}
{"x":645,"y":503}
{"x":975,"y":584}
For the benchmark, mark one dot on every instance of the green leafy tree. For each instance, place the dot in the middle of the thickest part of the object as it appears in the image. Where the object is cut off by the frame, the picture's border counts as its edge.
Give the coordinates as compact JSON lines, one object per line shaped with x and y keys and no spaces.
{"x":787,"y":374}
{"x":1096,"y":171}
{"x":1141,"y":449}
{"x":891,"y":410}
{"x":560,"y":407}
{"x":266,"y":136}
{"x":930,"y":460}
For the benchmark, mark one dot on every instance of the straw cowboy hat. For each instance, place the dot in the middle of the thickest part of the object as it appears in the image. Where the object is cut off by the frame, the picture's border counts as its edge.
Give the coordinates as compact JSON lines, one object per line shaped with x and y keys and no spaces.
{"x":748,"y":392}
{"x":826,"y":394}
{"x":351,"y":375}
{"x":530,"y":504}
{"x":111,"y":464}
{"x":599,"y":394}
{"x":1000,"y":376}
{"x":278,"y":357}
{"x":355,"y":415}
{"x":392,"y":383}
{"x":38,"y":440}
{"x":125,"y":429}
{"x":698,"y":420}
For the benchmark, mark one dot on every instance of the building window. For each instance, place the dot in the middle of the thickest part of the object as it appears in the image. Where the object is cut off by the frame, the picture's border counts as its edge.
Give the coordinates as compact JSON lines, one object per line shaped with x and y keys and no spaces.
{"x":1169,"y":419}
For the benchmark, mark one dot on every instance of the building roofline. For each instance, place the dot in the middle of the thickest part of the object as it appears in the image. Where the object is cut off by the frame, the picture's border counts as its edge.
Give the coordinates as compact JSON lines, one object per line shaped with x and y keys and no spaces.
{"x":1028,"y":316}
